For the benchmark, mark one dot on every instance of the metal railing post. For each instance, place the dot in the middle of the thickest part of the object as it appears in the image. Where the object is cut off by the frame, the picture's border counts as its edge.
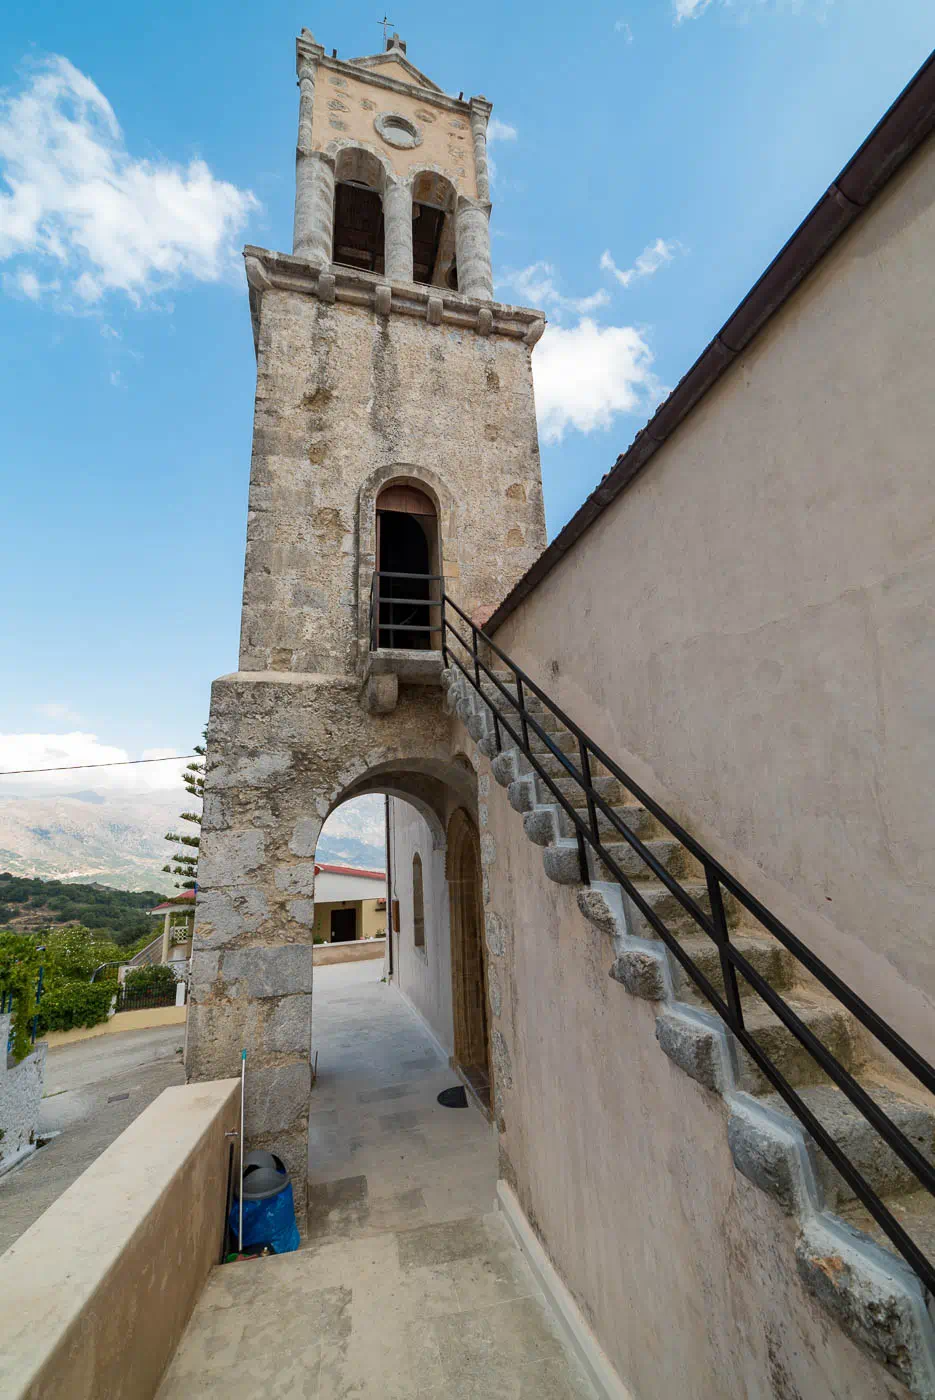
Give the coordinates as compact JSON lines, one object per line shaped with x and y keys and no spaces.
{"x":722,"y":939}
{"x":588,"y":786}
{"x":521,"y":705}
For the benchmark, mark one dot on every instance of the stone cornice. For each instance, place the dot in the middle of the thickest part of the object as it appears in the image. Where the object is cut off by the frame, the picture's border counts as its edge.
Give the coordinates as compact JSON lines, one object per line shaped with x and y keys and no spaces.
{"x":432,"y":97}
{"x":268,"y":271}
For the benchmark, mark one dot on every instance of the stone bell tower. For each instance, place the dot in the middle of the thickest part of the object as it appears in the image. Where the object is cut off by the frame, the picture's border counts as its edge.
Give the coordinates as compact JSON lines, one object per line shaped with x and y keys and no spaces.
{"x":394,"y":446}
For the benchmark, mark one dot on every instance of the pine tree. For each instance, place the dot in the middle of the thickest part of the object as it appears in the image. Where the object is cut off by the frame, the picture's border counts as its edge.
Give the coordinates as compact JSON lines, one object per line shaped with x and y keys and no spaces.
{"x":184,"y":863}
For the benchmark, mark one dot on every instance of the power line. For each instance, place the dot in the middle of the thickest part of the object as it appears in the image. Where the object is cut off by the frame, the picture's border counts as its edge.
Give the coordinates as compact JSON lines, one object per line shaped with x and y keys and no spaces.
{"x":121,"y":763}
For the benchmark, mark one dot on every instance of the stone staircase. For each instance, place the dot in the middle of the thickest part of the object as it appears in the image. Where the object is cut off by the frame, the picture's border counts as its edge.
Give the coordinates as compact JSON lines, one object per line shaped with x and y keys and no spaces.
{"x":842,"y":1256}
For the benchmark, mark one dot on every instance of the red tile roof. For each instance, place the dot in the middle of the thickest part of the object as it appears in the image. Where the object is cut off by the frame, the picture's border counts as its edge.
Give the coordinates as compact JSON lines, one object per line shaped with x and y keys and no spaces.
{"x":351,"y":870}
{"x":186,"y":897}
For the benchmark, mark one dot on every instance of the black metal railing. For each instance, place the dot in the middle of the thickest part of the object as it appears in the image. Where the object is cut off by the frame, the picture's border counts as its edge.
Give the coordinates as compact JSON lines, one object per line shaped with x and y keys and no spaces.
{"x":144,"y":998}
{"x":512,"y":716}
{"x":393,"y":616}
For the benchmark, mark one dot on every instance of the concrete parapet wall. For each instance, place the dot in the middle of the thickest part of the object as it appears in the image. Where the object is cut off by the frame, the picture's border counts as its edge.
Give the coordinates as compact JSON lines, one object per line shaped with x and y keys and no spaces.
{"x":359,"y":951}
{"x":148,"y":1019}
{"x":94,"y":1297}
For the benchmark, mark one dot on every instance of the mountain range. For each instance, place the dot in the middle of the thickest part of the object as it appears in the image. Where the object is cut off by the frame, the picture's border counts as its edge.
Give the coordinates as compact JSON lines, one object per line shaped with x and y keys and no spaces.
{"x":118,"y":838}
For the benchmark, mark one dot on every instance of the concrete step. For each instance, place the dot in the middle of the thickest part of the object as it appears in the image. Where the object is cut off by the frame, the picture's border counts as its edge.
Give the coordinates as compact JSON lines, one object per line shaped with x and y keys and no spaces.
{"x":768,"y":957}
{"x":885,"y":1172}
{"x":562,"y":864}
{"x":641,"y":822}
{"x":676,"y":919}
{"x":915,"y":1212}
{"x":561,"y":737}
{"x":825,"y":1019}
{"x":670,"y":854}
{"x":549,"y":764}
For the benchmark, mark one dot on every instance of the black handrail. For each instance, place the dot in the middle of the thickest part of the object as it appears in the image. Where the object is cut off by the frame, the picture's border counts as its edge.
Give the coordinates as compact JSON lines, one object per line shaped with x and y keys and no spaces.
{"x":376,"y":600}
{"x":713,"y":924}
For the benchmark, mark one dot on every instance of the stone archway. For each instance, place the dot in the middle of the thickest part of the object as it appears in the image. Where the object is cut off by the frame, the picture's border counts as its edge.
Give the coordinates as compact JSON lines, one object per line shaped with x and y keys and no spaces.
{"x":468,"y":963}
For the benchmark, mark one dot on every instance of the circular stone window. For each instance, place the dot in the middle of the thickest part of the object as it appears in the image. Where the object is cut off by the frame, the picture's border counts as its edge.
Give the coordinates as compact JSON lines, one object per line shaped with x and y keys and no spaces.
{"x":397,"y":130}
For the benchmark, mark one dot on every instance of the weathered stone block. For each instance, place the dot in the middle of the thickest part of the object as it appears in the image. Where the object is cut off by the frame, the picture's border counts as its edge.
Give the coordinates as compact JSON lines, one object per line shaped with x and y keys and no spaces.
{"x":225,"y":917}
{"x":265,"y":971}
{"x":276,"y":1098}
{"x":287,"y":1027}
{"x":226,"y":857}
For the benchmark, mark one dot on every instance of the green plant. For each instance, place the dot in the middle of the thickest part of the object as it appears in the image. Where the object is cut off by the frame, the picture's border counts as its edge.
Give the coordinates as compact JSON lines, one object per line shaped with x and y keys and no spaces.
{"x":184,"y":864}
{"x":19,"y":972}
{"x":156,"y":977}
{"x":67,"y":1004}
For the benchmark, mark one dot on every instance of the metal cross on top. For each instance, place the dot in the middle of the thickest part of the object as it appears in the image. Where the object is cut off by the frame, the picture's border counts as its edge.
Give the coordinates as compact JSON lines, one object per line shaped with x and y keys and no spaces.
{"x":384,"y":21}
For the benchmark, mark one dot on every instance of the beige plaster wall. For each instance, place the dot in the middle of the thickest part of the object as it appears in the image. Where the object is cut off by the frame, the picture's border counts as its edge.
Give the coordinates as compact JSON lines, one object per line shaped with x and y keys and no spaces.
{"x":94,"y":1297}
{"x":749,"y":627}
{"x":685,"y":1271}
{"x":346,"y":400}
{"x":371,"y":921}
{"x":345,"y":109}
{"x":422,"y":974}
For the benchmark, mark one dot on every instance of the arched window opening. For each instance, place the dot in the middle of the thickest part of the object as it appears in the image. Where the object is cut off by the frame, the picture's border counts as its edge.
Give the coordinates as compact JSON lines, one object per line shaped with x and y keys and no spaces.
{"x":407,"y":569}
{"x":358,"y":211}
{"x":418,"y":903}
{"x":433,"y":233}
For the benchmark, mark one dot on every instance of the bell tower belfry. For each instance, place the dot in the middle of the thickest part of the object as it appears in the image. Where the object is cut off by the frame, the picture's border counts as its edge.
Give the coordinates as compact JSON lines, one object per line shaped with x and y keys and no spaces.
{"x":395,"y":454}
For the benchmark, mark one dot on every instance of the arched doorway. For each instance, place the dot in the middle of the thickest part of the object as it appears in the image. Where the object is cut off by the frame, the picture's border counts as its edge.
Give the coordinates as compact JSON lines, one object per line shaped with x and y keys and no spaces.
{"x":407,"y":551}
{"x":468,"y":963}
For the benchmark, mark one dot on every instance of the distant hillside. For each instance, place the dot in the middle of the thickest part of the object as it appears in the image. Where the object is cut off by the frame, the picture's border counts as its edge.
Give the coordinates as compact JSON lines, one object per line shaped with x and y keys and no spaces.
{"x":28,"y":904}
{"x":118,"y":838}
{"x":347,"y":850}
{"x":115,"y":838}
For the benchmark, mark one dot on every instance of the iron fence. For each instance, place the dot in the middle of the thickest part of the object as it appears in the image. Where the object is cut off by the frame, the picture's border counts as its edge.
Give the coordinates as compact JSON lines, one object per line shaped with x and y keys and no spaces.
{"x":144,"y":998}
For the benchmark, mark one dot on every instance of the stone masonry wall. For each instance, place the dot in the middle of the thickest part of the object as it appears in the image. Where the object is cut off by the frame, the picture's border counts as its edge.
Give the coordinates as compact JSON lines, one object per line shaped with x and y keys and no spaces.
{"x":281,"y":752}
{"x":344,"y":397}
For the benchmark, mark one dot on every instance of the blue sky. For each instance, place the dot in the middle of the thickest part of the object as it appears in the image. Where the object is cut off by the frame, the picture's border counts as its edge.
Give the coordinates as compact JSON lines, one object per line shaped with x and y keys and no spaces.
{"x":650,"y":163}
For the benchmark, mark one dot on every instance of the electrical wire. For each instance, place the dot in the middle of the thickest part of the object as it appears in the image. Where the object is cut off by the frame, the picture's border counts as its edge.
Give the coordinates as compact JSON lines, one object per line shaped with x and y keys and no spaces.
{"x":121,"y":763}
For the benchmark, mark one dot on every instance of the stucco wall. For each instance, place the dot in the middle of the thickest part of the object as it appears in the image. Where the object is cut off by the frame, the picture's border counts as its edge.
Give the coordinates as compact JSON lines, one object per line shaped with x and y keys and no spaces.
{"x":684,"y":1270}
{"x":749,"y":627}
{"x":422,"y":974}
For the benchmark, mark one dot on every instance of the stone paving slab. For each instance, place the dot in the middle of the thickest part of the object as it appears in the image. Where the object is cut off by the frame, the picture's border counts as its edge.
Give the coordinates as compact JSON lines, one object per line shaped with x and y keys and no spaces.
{"x":409,"y":1285}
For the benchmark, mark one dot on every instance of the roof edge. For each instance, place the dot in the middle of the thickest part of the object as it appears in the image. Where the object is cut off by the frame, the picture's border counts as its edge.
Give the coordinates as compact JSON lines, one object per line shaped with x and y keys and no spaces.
{"x":899,"y":133}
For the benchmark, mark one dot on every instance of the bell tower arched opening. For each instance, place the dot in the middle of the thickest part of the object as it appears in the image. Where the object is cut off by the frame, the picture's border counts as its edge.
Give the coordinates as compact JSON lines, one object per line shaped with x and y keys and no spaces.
{"x":407,"y":581}
{"x":359,"y":239}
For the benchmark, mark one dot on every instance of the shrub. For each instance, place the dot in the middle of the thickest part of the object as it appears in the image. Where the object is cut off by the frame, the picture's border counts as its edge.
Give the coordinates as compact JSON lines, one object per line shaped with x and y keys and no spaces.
{"x":145,"y":979}
{"x":19,"y":970}
{"x":66,"y":1004}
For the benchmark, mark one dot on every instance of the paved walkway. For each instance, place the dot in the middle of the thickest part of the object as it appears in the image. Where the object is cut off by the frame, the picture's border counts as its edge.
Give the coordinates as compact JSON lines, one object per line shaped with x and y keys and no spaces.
{"x":409,"y":1284}
{"x":93,"y":1091}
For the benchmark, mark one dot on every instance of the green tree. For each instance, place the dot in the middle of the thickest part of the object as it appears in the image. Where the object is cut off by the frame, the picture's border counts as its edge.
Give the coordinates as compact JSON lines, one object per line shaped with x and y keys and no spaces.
{"x":184,"y":863}
{"x":19,"y":972}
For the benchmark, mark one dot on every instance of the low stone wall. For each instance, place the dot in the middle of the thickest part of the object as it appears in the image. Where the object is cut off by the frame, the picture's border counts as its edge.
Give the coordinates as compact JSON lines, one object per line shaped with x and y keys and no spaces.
{"x":359,"y":951}
{"x":94,"y":1297}
{"x":20,"y":1097}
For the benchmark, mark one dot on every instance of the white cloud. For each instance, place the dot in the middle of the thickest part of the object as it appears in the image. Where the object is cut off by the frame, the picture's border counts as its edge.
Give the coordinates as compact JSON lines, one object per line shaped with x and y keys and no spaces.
{"x":500,"y":131}
{"x":586,"y":375}
{"x":57,"y":751}
{"x":71,"y":194}
{"x":109,"y":333}
{"x":116,"y":378}
{"x":536,"y":286}
{"x":653,"y":256}
{"x":621,"y":27}
{"x":691,"y":9}
{"x":52,"y":710}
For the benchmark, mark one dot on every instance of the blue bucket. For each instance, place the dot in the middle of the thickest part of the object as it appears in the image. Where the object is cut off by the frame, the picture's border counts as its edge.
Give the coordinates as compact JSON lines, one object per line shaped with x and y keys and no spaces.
{"x":268,"y":1205}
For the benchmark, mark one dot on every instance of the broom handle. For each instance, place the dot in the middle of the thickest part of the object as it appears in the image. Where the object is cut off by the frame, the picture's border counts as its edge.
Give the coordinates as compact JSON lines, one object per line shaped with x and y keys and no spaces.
{"x":243,"y":1081}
